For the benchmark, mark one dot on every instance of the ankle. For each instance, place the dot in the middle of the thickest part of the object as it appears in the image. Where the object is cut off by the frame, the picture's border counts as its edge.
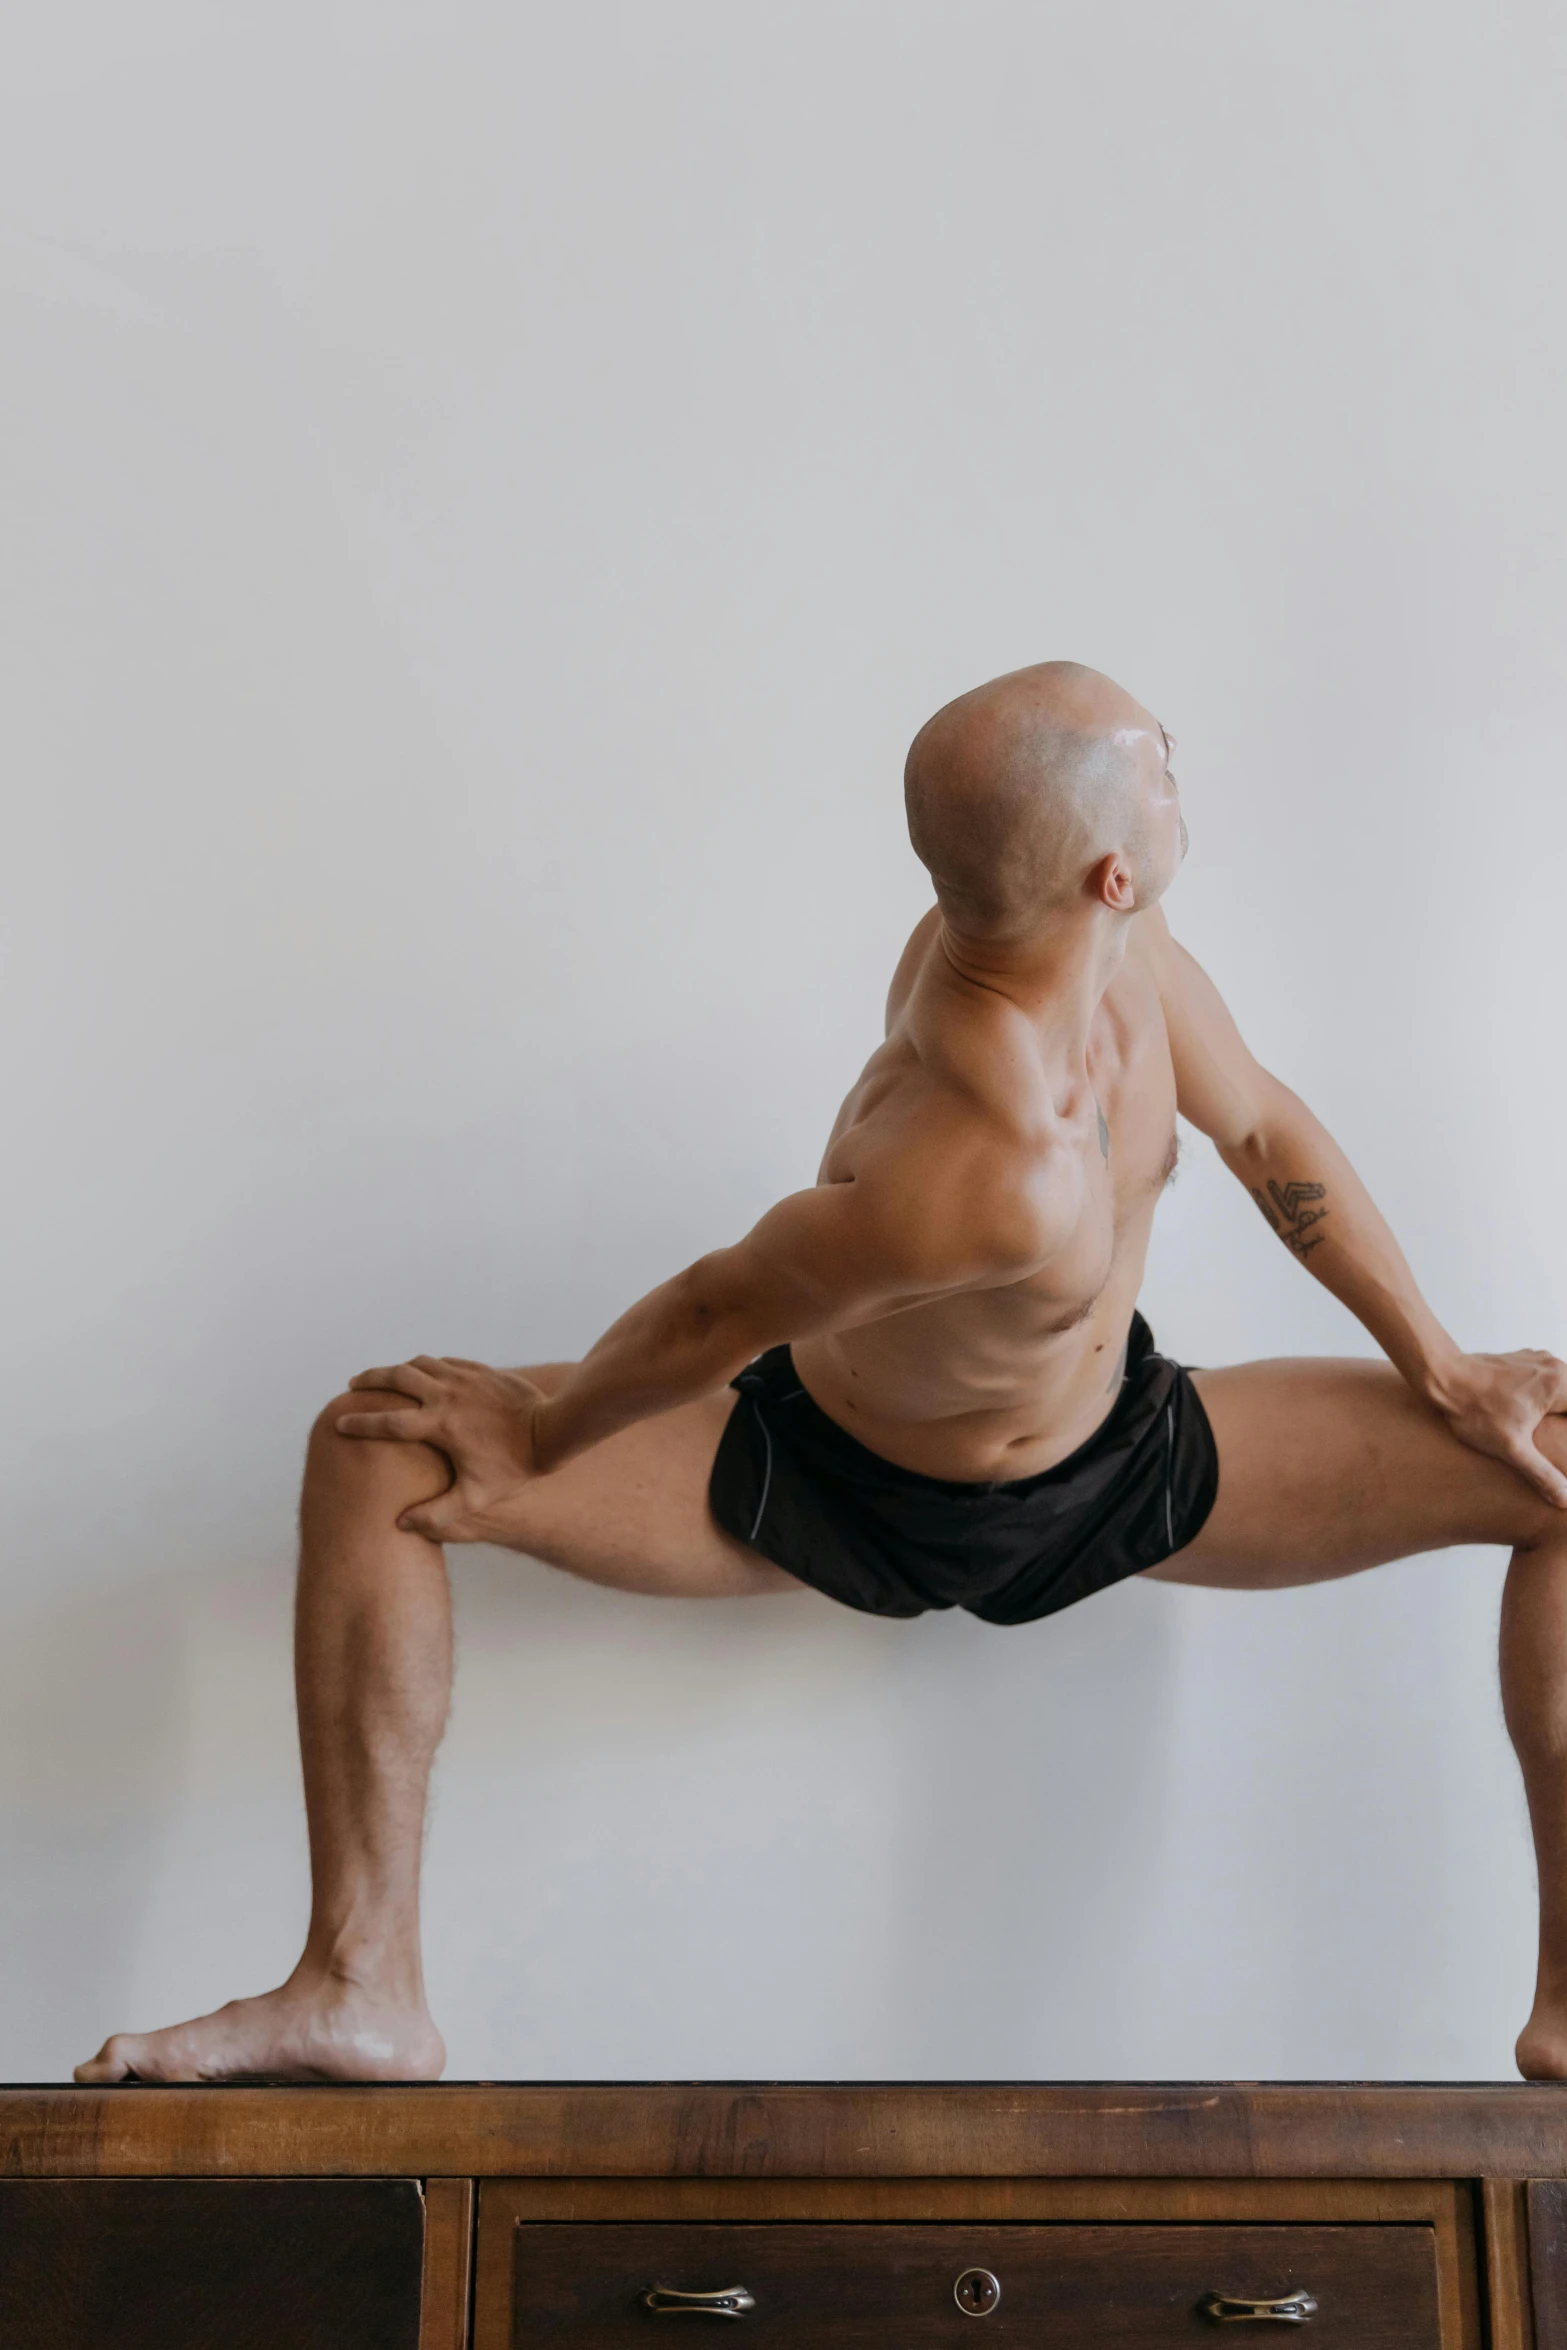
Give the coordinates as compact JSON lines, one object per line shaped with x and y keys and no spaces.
{"x":388,"y":1973}
{"x":1550,"y":1988}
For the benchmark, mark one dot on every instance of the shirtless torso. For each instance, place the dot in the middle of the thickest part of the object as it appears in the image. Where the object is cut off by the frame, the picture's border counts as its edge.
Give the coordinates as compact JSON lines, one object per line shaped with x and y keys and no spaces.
{"x":956,"y":1291}
{"x":1001,"y":1381}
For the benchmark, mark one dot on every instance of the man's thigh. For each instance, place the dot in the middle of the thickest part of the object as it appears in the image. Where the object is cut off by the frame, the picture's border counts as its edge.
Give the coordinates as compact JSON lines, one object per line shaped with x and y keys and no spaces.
{"x":633,"y":1511}
{"x":1328,"y":1466}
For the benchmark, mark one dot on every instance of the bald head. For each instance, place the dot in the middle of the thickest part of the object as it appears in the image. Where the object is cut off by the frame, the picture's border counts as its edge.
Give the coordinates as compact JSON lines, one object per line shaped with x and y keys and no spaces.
{"x":1017,"y":790}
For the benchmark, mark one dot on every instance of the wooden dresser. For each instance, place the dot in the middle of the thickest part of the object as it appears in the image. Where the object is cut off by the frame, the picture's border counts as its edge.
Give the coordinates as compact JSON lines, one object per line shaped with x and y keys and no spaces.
{"x":600,"y":2217}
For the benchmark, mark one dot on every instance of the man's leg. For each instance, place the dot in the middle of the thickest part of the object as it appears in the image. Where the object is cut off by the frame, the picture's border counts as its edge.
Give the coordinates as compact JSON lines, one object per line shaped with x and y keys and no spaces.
{"x":1329,"y":1467}
{"x":373,"y":1663}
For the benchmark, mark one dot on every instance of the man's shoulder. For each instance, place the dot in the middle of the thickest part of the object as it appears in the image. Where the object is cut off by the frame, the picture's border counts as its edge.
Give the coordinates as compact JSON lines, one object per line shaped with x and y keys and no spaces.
{"x":976,"y":1063}
{"x":974,"y":1132}
{"x":965,"y":1086}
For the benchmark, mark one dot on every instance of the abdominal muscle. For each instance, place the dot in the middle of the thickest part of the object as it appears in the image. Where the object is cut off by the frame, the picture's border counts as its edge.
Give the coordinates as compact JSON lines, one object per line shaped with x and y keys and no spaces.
{"x":969,"y":1388}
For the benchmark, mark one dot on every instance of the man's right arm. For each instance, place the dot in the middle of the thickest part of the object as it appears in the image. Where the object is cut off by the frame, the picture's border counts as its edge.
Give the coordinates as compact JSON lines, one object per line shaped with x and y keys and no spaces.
{"x":931,"y":1206}
{"x":932,"y":1217}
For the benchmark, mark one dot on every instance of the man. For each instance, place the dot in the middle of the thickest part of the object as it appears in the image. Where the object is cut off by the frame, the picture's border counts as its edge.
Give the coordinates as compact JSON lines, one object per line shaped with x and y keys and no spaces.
{"x":924,"y":1382}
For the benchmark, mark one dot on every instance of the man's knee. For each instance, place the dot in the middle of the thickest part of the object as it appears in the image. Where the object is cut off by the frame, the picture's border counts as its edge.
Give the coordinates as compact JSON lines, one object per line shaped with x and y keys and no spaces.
{"x":1540,"y":1525}
{"x":411,"y":1472}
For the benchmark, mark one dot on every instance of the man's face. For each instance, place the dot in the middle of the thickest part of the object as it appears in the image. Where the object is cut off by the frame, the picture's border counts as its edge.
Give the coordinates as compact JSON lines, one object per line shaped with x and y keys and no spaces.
{"x":1163,"y":840}
{"x":1168,"y":785}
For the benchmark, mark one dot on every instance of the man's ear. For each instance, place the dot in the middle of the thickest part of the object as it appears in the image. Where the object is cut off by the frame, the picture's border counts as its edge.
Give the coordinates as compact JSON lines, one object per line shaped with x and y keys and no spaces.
{"x":1112,"y":883}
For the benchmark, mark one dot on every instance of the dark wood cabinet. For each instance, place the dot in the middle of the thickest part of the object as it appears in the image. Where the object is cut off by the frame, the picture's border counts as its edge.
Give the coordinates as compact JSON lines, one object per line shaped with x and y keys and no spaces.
{"x":1547,"y":2227}
{"x":961,"y":2285}
{"x":487,"y":2216}
{"x":191,"y":2264}
{"x":1107,"y":2264}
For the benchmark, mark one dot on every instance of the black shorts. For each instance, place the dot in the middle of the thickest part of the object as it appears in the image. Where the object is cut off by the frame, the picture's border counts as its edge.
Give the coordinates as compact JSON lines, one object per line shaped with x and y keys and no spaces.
{"x":798,"y":1488}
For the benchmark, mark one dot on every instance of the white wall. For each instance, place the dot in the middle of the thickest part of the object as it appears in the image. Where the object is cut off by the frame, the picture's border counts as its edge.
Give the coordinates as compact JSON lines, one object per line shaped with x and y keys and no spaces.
{"x":489,"y":493}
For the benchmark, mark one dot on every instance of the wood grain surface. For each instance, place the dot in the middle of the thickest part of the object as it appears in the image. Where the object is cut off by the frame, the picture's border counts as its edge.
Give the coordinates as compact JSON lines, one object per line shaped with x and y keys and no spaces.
{"x":1509,"y":2301}
{"x":1444,"y":2207}
{"x":839,"y":2286}
{"x":1547,"y":2207}
{"x":792,"y":2130}
{"x":182,"y":2264}
{"x":448,"y":2264}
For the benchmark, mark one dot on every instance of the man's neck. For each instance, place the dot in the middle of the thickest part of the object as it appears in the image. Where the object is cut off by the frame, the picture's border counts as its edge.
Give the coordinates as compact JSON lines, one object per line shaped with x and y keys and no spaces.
{"x":1057,"y":975}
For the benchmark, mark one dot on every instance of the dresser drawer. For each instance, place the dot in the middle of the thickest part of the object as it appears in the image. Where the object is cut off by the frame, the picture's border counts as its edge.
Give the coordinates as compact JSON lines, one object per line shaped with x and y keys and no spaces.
{"x":582,"y":2286}
{"x":210,"y":2264}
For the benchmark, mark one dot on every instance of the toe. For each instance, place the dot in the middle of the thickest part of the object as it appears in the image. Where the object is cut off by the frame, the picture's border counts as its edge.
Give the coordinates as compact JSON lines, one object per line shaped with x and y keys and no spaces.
{"x":112,"y":2062}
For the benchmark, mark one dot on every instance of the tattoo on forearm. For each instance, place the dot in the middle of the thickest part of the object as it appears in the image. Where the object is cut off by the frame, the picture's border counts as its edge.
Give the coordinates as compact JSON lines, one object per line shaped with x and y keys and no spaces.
{"x":1292,"y":1209}
{"x":1104,"y":1131}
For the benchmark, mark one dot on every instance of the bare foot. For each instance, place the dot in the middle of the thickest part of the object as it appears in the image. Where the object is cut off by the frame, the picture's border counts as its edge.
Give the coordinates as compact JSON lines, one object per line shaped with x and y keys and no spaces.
{"x":1541,"y":2052}
{"x":314,"y":2028}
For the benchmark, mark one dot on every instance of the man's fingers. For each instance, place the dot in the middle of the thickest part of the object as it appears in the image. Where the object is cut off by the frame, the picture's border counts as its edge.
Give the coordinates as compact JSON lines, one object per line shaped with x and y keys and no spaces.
{"x":406,"y":1378}
{"x":436,"y":1520}
{"x":415,"y":1427}
{"x":1532,"y":1463}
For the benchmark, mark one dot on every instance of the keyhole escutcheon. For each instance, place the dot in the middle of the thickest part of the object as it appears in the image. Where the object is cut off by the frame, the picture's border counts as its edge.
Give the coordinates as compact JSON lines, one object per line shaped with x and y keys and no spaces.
{"x":976,"y":2292}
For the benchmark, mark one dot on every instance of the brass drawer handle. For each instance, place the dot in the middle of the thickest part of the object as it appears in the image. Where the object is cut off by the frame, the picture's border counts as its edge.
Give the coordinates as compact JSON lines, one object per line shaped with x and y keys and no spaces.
{"x":1230,"y":2309}
{"x":670,"y":2301}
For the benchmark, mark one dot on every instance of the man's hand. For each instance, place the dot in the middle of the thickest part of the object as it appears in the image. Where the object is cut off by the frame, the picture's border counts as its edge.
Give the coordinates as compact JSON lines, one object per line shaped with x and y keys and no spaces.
{"x":481,"y":1419}
{"x":1495,"y":1404}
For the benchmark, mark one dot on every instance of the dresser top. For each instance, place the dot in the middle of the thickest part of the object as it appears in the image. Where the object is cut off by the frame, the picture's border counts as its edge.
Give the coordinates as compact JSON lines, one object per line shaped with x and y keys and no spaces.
{"x":781,"y":2130}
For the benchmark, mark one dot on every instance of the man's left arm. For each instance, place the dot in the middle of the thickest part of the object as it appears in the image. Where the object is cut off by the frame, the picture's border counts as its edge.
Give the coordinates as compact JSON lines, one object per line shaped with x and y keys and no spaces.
{"x":1322,"y":1212}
